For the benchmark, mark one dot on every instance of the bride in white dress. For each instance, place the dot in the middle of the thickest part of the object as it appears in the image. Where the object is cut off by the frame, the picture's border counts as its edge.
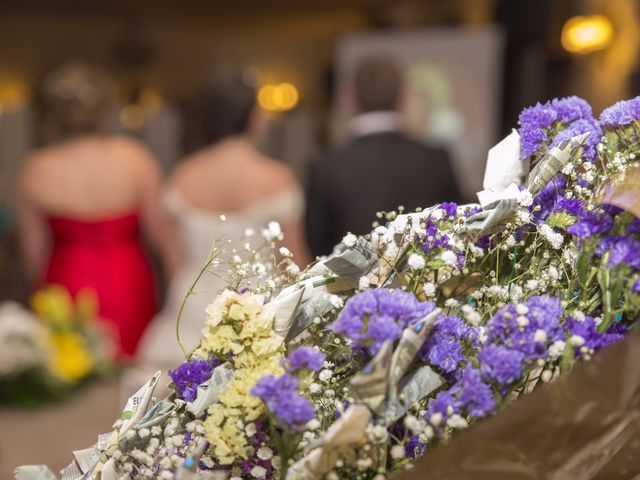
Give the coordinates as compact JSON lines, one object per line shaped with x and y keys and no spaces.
{"x":228,"y":177}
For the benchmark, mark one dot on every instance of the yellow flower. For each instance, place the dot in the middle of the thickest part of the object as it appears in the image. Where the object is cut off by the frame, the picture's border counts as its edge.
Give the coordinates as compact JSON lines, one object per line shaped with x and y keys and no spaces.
{"x":54,"y":305}
{"x":70,"y":360}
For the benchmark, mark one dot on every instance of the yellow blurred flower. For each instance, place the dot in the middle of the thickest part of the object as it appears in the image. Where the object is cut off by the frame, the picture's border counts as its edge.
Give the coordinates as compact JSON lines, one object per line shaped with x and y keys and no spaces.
{"x":69,"y":359}
{"x":53,"y":305}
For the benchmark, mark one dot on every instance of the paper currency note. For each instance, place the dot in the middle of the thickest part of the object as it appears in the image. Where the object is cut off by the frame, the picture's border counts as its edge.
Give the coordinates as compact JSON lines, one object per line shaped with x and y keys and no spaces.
{"x":157,"y":414}
{"x":370,"y":385}
{"x":209,"y":392}
{"x":491,"y":221}
{"x":33,"y":472}
{"x":416,"y":387}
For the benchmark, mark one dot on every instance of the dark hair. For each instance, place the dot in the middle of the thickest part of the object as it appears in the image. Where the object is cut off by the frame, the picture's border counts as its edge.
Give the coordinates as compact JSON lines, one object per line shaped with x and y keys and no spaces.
{"x":75,"y":98}
{"x":377,"y":84}
{"x":228,"y":104}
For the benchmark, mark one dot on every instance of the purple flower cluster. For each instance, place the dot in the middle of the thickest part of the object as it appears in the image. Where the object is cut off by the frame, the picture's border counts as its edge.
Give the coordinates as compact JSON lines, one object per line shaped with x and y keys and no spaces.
{"x":433,"y":238}
{"x":501,"y":364}
{"x":527,"y":333}
{"x":591,"y":223}
{"x":256,"y":441}
{"x":374,"y":316}
{"x":573,"y":113}
{"x":533,"y":123}
{"x":469,"y":394}
{"x":450,"y":208}
{"x":189,"y":375}
{"x":588,"y":330}
{"x":621,"y":113}
{"x":281,"y":397}
{"x":445,"y":345}
{"x":305,"y":358}
{"x":621,"y":249}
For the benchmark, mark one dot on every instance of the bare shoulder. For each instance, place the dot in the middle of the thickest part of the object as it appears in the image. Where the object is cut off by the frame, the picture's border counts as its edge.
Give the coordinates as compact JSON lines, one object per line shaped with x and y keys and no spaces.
{"x":135,"y":153}
{"x":277,"y":174}
{"x":190,"y":167}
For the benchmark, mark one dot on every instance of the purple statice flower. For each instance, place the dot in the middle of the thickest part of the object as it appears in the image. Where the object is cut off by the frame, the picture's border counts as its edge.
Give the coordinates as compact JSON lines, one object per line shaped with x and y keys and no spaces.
{"x":374,"y":316}
{"x":572,"y":206}
{"x":635,"y":288}
{"x":589,"y":224}
{"x":622,"y":250}
{"x":433,"y":238}
{"x":305,"y":358}
{"x":530,"y":338}
{"x":189,"y":375}
{"x":588,"y":331}
{"x":572,"y":108}
{"x":548,"y":197}
{"x":450,"y":208}
{"x":281,"y":397}
{"x":621,"y":113}
{"x":633,"y":227}
{"x":533,"y":123}
{"x":577,"y":128}
{"x":500,"y":364}
{"x":475,"y":396}
{"x":444,"y":347}
{"x":442,"y":403}
{"x":414,"y":448}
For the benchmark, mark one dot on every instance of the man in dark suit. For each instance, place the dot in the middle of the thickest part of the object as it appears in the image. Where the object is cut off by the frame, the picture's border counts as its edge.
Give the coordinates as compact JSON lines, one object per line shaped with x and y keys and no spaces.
{"x":379,"y":169}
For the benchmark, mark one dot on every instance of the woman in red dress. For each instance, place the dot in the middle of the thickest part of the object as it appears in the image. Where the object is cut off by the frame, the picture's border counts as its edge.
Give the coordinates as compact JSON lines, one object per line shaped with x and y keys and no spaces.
{"x":82,"y":203}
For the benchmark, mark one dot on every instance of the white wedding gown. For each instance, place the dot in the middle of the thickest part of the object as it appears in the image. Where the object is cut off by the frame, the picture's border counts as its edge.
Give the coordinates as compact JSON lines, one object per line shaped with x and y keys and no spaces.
{"x":198,"y":228}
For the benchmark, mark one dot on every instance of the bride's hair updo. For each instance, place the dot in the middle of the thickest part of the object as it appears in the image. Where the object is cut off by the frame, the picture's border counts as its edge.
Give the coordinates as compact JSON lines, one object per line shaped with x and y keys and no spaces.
{"x":75,"y":98}
{"x":228,"y":104}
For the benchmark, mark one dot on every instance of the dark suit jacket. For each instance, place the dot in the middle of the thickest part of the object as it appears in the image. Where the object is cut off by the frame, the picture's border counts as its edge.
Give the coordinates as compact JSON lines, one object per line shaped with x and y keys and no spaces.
{"x":374,"y":172}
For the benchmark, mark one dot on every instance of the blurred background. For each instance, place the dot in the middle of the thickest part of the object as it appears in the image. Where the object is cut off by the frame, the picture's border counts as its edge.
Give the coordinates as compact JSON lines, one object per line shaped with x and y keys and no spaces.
{"x":470,"y":66}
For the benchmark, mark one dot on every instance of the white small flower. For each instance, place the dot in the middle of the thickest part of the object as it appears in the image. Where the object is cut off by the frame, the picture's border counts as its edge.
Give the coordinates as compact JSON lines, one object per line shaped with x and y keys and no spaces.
{"x":325,"y":375}
{"x":429,"y":289}
{"x":259,"y":269}
{"x":416,"y":261}
{"x":285,"y":252}
{"x":553,"y":273}
{"x":264,"y":453}
{"x":554,"y":238}
{"x":540,"y":336}
{"x":449,"y":258}
{"x":576,"y":340}
{"x":556,"y":349}
{"x":522,"y":321}
{"x":276,"y":462}
{"x":578,"y":316}
{"x":397,"y":452}
{"x":250,"y":429}
{"x":349,"y":240}
{"x":437,"y":214}
{"x":272,"y":232}
{"x":456,"y":421}
{"x":525,"y":199}
{"x":258,"y":471}
{"x":531,"y":284}
{"x":313,"y":424}
{"x":249,"y":232}
{"x":452,"y":303}
{"x":223,"y":218}
{"x":165,"y":463}
{"x":315,"y":388}
{"x":411,"y":423}
{"x":522,"y":309}
{"x":363,"y":283}
{"x":332,"y":475}
{"x":546,"y":376}
{"x":329,"y":393}
{"x":435,"y":419}
{"x":144,"y":432}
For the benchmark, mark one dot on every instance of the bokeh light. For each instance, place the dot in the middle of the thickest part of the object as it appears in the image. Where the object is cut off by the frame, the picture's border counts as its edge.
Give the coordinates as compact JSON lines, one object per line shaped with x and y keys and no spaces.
{"x":586,"y":34}
{"x":278,"y":98}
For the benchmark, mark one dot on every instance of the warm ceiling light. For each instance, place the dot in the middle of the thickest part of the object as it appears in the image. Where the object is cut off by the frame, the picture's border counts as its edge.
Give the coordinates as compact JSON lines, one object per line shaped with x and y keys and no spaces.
{"x":278,"y":98}
{"x":587,"y":34}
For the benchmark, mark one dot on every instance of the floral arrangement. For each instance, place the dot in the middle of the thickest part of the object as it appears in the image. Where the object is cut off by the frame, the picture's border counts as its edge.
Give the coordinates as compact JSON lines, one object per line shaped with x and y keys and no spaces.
{"x":405,"y":337}
{"x":47,"y":353}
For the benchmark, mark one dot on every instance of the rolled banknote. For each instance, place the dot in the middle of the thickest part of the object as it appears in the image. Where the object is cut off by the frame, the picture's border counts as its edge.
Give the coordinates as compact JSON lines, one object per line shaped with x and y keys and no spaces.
{"x":349,"y":430}
{"x":370,"y":386}
{"x":208,"y":392}
{"x":410,"y":342}
{"x":552,"y":162}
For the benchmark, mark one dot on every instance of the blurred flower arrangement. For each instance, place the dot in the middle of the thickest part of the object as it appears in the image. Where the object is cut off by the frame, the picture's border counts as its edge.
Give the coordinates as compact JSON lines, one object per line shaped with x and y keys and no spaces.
{"x":403,"y":338}
{"x":48,"y":352}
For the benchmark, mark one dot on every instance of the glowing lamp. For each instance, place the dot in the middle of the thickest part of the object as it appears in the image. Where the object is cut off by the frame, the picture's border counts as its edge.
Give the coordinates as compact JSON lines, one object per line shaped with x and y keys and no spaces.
{"x":586,"y":34}
{"x":278,"y":98}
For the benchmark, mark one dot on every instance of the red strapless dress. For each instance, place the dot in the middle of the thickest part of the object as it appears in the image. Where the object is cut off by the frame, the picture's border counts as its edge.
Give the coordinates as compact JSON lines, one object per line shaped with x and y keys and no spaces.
{"x":106,"y":256}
